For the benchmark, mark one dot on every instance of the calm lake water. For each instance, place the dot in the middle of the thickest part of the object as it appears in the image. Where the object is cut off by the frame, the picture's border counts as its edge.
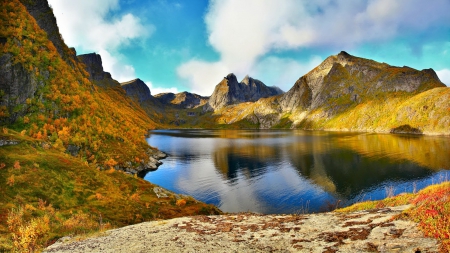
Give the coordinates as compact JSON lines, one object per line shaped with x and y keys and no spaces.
{"x":294,"y":171}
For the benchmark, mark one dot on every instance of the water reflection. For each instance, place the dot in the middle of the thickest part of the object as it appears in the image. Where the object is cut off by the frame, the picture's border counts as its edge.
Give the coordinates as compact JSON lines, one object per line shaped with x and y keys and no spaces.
{"x":283,"y":171}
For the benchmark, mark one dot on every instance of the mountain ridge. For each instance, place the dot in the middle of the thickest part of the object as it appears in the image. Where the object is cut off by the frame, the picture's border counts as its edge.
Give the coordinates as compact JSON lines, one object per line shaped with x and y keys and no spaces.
{"x":229,"y":91}
{"x":94,"y":67}
{"x":343,"y":93}
{"x":183,"y":99}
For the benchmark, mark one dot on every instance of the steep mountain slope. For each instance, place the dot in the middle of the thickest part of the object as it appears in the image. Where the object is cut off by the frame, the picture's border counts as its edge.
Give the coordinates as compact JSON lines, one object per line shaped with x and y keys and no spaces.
{"x":60,"y":129}
{"x":137,"y":90}
{"x":352,"y":80}
{"x":94,"y":67}
{"x":229,"y":91}
{"x":49,"y":99}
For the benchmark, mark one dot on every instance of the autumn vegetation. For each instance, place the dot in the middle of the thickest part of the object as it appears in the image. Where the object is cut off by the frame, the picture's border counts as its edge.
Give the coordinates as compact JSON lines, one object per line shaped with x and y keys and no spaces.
{"x":68,"y":108}
{"x":46,"y":193}
{"x":430,"y":208}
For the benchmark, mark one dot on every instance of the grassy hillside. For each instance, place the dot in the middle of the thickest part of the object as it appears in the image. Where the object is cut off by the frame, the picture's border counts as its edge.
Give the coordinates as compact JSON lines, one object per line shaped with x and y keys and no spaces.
{"x":46,"y":194}
{"x":428,"y":112}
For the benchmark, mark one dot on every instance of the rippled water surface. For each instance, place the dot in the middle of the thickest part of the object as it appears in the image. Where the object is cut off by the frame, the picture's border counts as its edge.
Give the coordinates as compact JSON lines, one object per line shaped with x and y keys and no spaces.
{"x":292,"y":171}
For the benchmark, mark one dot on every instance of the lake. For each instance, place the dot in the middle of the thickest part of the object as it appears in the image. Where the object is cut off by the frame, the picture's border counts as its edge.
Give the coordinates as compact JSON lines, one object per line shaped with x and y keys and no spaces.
{"x":295,"y":171}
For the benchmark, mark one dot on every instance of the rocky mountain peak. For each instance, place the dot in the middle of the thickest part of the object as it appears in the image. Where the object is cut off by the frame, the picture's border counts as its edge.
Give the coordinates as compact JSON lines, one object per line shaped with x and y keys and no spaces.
{"x":231,"y":78}
{"x":344,"y":54}
{"x":344,"y":75}
{"x":137,"y":90}
{"x":94,"y":67}
{"x":247,"y":80}
{"x":230,"y":91}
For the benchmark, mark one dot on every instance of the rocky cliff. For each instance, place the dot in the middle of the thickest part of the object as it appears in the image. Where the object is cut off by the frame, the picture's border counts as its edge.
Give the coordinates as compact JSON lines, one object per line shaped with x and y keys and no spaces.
{"x":19,"y":80}
{"x":94,"y":67}
{"x":43,"y":14}
{"x":17,"y":85}
{"x":229,"y":91}
{"x":351,"y":80}
{"x":137,"y":90}
{"x":185,"y":100}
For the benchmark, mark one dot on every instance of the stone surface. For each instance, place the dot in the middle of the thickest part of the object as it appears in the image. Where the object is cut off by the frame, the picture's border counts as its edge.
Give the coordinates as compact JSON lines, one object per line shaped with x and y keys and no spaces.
{"x":73,"y":150}
{"x":144,"y":166}
{"x":43,"y":14}
{"x":5,"y":142}
{"x":365,"y":231}
{"x":17,"y":85}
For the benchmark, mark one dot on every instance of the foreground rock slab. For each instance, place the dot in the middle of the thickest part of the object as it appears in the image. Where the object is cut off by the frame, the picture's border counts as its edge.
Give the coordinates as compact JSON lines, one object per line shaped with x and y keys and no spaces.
{"x":365,"y":231}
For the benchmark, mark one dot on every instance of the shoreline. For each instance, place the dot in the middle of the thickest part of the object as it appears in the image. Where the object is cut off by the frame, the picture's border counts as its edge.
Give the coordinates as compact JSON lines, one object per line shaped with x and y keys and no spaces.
{"x":391,"y":225}
{"x":425,"y":133}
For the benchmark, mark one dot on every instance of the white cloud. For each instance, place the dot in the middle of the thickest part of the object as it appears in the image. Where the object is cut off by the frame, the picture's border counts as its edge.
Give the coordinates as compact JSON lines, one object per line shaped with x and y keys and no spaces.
{"x":87,"y":26}
{"x":242,"y":32}
{"x":444,"y":75}
{"x":158,"y":90}
{"x":202,"y":76}
{"x":283,"y":72}
{"x":119,"y":71}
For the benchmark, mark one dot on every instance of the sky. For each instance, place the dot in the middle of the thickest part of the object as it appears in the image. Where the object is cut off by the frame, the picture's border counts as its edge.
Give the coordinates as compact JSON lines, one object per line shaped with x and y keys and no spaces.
{"x":179,"y":45}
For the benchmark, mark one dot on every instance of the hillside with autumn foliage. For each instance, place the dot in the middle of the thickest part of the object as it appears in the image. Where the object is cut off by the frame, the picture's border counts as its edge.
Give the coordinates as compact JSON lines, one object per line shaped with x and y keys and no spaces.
{"x":66,"y":141}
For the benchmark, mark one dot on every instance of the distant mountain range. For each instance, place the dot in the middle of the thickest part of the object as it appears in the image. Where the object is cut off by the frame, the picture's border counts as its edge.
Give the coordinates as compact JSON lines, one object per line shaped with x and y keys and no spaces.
{"x":344,"y":93}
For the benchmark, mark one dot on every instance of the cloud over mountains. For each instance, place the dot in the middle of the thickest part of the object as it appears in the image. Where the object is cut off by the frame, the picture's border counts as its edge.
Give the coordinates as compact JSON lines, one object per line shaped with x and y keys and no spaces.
{"x":244,"y":32}
{"x":90,"y":26}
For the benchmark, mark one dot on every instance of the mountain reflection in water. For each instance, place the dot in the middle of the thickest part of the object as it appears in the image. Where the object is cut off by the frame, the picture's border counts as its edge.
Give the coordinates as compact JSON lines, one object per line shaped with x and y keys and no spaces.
{"x":288,"y":171}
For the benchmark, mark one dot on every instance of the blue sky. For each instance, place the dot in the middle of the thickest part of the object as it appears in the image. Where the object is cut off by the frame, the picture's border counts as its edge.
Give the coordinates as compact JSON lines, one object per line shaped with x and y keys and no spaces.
{"x":176,"y":45}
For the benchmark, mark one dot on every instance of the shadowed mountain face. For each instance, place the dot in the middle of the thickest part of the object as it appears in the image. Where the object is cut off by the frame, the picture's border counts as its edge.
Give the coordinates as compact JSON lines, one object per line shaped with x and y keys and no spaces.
{"x":229,"y":91}
{"x":94,"y":67}
{"x":137,"y":90}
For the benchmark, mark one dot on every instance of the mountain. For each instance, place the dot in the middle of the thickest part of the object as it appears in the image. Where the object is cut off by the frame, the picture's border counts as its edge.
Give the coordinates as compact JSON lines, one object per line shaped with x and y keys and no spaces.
{"x":343,"y":93}
{"x":137,"y":90}
{"x":71,"y":141}
{"x":352,"y":80}
{"x":94,"y":67}
{"x":184,"y":100}
{"x":229,"y":91}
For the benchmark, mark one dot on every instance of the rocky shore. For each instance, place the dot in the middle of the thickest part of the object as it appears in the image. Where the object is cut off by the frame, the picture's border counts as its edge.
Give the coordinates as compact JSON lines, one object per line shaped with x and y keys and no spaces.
{"x":153,"y":162}
{"x":363,"y":231}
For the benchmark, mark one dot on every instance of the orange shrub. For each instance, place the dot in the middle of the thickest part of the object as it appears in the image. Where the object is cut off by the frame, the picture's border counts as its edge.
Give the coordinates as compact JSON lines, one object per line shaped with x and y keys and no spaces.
{"x":181,"y":202}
